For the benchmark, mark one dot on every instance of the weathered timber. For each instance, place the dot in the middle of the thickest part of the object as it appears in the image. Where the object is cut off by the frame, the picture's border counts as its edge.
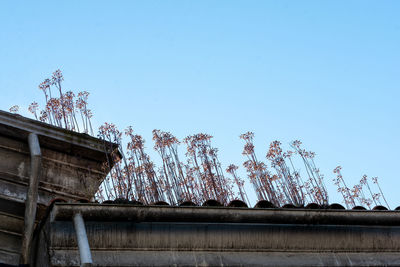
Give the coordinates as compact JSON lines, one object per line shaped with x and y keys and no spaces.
{"x":71,"y":167}
{"x":72,"y":163}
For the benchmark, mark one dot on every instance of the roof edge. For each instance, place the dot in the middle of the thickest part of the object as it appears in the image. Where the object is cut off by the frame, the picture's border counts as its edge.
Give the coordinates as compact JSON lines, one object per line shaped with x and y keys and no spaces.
{"x":110,"y":212}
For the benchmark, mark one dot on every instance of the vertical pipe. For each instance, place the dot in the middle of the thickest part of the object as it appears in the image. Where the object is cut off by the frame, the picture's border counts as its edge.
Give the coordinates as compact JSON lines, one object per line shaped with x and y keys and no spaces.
{"x":83,"y":243}
{"x":31,"y":197}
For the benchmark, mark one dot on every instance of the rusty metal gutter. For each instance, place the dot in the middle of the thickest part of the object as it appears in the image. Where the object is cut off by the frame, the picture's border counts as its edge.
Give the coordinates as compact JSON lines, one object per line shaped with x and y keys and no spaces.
{"x":97,"y":212}
{"x":31,"y":197}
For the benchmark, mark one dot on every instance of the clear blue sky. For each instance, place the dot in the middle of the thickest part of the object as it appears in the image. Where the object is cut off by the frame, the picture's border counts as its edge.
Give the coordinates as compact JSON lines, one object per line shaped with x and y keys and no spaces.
{"x":324,"y":72}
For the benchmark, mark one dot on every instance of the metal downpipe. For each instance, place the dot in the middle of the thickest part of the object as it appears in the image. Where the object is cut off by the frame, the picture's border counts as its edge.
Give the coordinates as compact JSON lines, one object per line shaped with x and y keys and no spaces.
{"x":83,"y":243}
{"x":31,"y":198}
